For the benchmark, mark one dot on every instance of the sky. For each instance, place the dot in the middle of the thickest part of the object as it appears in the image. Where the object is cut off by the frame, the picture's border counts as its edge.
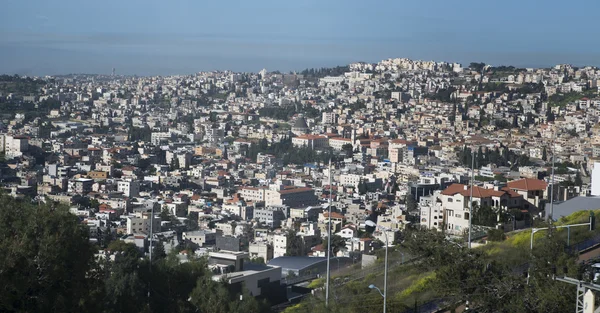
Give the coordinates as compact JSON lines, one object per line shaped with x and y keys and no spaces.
{"x":149,"y":37}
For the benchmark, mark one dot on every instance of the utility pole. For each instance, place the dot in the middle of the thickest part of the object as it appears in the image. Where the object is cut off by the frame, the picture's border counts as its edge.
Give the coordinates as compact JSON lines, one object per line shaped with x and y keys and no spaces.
{"x":471,"y":197}
{"x":583,"y":288}
{"x":150,"y":245}
{"x":328,"y":239}
{"x":550,"y":216}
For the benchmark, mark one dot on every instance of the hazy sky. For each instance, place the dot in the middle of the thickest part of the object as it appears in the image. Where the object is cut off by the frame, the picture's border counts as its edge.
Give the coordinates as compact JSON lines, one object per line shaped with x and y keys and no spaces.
{"x":185,"y":36}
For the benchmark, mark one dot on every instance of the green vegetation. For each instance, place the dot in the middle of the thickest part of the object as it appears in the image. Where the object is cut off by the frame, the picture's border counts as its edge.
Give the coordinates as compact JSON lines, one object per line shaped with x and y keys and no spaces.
{"x":500,"y":156}
{"x":563,"y":167}
{"x":484,"y":178}
{"x":286,"y":113}
{"x":562,"y":99}
{"x":337,"y":243}
{"x":477,"y":66}
{"x":317,"y":283}
{"x":443,"y":94}
{"x":322,"y":72}
{"x":487,"y":277}
{"x":19,"y":85}
{"x":503,"y":87}
{"x":47,"y":264}
{"x":290,"y":154}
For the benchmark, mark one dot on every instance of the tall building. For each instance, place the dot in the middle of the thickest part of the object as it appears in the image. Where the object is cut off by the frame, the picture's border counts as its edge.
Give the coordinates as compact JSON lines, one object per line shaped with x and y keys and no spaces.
{"x":329,"y":118}
{"x":129,"y":188}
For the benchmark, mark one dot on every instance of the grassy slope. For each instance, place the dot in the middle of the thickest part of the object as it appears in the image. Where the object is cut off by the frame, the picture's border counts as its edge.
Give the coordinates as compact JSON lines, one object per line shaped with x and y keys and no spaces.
{"x":407,"y":284}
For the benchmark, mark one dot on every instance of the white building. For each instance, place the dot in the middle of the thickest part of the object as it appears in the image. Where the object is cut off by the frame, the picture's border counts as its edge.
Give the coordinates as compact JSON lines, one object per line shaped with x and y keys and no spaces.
{"x":350,"y":180}
{"x":339,"y":143}
{"x":130,"y":188}
{"x":157,"y":137}
{"x":15,"y":146}
{"x":253,"y":194}
{"x":291,"y":197}
{"x":329,"y":118}
{"x":432,"y":212}
{"x":279,"y":245}
{"x":310,"y":141}
{"x":140,"y":223}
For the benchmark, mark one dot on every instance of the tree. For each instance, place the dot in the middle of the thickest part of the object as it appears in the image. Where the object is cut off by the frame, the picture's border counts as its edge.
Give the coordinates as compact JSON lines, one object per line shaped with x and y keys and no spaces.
{"x":45,"y":257}
{"x":549,"y":114}
{"x":484,"y":215}
{"x":124,"y":287}
{"x":158,"y":252}
{"x":175,"y":163}
{"x":544,"y":154}
{"x":496,"y":235}
{"x":295,"y":244}
{"x":258,"y":260}
{"x":348,"y":149}
{"x":210,"y":296}
{"x":411,"y":203}
{"x":463,"y":274}
{"x":362,"y":187}
{"x":47,"y":264}
{"x":337,"y":243}
{"x":475,"y":66}
{"x":165,"y":215}
{"x":578,"y":181}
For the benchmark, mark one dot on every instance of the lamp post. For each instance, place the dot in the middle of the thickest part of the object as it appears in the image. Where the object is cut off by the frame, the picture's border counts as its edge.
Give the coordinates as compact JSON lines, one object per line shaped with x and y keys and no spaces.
{"x":371,"y":286}
{"x":384,"y":294}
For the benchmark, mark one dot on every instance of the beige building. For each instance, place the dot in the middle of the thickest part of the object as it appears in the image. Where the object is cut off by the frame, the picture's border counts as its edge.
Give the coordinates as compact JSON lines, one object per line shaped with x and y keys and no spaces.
{"x":311,"y":141}
{"x":201,"y":237}
{"x":291,"y":197}
{"x":338,"y":143}
{"x":455,"y":202}
{"x":253,"y":193}
{"x":261,"y":250}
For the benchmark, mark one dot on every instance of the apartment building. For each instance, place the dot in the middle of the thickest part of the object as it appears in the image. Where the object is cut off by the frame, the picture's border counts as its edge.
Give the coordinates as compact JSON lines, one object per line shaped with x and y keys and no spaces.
{"x":455,"y":202}
{"x":292,"y":197}
{"x":310,"y":141}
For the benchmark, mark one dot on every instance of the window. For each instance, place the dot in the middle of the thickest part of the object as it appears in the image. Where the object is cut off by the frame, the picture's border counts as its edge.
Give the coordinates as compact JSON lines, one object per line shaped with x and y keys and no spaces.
{"x":450,"y":200}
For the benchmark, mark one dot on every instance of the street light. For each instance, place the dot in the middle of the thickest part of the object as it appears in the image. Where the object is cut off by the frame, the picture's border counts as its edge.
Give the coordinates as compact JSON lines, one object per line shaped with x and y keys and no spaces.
{"x":384,"y":294}
{"x":371,"y":286}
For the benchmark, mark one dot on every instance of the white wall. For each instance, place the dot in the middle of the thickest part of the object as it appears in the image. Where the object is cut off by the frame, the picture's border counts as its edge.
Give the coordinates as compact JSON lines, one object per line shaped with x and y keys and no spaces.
{"x":596,"y":180}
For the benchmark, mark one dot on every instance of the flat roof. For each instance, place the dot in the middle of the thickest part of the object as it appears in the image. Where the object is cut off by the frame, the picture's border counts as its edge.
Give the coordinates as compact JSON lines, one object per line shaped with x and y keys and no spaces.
{"x":573,"y":205}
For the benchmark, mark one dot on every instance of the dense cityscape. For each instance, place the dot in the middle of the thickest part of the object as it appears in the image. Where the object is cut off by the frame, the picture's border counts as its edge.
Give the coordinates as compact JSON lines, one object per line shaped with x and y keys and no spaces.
{"x":444,"y":186}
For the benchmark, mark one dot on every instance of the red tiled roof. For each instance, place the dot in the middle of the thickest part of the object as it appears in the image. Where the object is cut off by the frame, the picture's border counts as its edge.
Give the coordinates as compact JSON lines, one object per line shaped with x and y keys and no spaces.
{"x":511,"y":193}
{"x":311,"y":137}
{"x":295,"y":190}
{"x":527,"y":184}
{"x":341,"y":139}
{"x":478,"y":192}
{"x":334,"y":215}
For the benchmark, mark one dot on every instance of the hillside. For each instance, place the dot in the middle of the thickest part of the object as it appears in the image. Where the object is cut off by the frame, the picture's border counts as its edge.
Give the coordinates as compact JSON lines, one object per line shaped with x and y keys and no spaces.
{"x":488,"y":276}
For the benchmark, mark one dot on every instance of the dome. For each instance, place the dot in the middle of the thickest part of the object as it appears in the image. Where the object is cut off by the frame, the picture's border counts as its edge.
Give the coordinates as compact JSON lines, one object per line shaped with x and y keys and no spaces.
{"x":300,"y":123}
